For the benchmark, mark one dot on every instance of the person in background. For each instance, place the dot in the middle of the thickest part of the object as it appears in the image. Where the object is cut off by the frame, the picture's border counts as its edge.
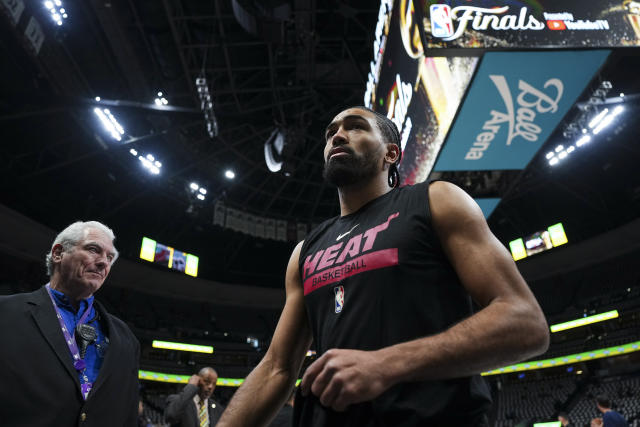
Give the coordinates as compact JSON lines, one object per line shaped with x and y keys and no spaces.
{"x":65,"y":360}
{"x":610,"y":418}
{"x":142,"y":420}
{"x":563,"y":417}
{"x":194,"y":406}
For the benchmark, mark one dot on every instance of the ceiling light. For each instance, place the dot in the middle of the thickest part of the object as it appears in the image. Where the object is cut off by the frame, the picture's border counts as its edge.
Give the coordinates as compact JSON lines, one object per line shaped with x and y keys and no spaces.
{"x":583,"y":140}
{"x":562,"y":154}
{"x":553,"y":161}
{"x":48,"y":4}
{"x":147,"y":162}
{"x":597,"y":118}
{"x":559,"y":148}
{"x":619,"y":109}
{"x":621,"y":95}
{"x":98,"y":98}
{"x":133,"y":152}
{"x":110,"y":123}
{"x":202,"y":190}
{"x":200,"y":197}
{"x":571,"y":149}
{"x":159,"y":93}
{"x":584,"y":131}
{"x":229,"y":174}
{"x":549,"y":155}
{"x":603,"y":124}
{"x":194,"y":186}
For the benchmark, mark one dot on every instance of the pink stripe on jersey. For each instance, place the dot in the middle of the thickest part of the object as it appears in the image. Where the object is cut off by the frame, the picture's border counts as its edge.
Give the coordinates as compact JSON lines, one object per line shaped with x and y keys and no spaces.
{"x":371,"y":261}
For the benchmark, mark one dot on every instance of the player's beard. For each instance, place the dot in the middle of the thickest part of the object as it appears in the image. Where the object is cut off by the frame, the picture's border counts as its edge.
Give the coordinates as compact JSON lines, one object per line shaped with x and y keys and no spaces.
{"x":345,"y":171}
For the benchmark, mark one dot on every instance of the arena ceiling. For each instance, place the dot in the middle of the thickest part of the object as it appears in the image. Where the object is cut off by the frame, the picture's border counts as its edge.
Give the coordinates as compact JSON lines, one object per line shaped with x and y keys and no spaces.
{"x":292,"y":69}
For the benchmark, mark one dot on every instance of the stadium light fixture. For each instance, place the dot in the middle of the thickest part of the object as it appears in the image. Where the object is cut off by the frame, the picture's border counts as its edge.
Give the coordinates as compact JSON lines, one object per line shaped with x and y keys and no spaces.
{"x":594,"y":122}
{"x":584,"y":321}
{"x":194,"y":186}
{"x":608,"y":119}
{"x":133,"y":152}
{"x":583,"y":140}
{"x":150,"y":163}
{"x":168,"y":345}
{"x":200,"y":197}
{"x":160,"y":99}
{"x":229,"y":174}
{"x":58,"y":13}
{"x":110,"y":123}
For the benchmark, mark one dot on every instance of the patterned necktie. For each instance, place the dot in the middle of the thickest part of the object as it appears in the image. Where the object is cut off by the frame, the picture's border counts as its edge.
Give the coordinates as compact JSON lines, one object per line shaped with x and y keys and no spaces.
{"x":202,"y":414}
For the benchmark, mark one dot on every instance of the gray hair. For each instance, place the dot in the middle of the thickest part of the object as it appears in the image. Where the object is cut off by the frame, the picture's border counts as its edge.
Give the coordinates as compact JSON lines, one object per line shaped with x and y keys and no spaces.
{"x":74,"y":234}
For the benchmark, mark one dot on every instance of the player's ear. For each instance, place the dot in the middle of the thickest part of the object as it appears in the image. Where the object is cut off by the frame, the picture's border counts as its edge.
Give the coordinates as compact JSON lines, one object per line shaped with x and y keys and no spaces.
{"x":393,"y":154}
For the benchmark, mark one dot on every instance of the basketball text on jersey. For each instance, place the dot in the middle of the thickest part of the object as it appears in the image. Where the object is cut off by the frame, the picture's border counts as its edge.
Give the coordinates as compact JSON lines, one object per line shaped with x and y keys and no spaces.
{"x":343,"y":260}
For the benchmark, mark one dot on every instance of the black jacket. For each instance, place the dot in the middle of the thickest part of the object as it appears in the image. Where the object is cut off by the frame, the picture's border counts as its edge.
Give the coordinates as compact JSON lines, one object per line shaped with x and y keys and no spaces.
{"x":38,"y":383}
{"x":181,"y":410}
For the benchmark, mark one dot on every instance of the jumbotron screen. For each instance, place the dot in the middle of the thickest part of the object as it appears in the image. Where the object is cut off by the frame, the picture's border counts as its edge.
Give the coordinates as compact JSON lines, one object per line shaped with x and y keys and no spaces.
{"x":169,"y":257}
{"x":538,"y":242}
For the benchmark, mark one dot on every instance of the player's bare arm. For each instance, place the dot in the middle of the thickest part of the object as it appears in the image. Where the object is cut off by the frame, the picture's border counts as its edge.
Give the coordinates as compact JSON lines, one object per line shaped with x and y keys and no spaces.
{"x":510,"y":326}
{"x":269,"y":384}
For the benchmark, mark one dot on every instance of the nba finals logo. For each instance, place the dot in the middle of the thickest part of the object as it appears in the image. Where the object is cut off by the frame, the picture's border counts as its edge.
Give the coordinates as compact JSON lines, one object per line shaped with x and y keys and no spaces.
{"x":441,"y":24}
{"x":339,"y":291}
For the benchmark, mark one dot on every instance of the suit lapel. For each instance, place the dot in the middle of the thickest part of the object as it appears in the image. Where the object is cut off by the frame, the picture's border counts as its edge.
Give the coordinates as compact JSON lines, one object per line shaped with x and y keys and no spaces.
{"x":45,"y":317}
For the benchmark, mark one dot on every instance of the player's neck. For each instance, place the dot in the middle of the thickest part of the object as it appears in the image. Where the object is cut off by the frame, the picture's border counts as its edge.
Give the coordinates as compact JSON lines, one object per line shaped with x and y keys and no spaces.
{"x":353,"y":197}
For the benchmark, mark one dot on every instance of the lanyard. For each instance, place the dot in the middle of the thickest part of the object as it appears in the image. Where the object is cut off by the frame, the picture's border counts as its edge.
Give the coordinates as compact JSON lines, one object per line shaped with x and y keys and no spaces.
{"x":78,"y":363}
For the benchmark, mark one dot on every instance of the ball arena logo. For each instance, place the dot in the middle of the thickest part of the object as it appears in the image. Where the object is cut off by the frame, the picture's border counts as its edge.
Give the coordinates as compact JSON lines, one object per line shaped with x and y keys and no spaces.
{"x":481,"y":18}
{"x":519,"y":116}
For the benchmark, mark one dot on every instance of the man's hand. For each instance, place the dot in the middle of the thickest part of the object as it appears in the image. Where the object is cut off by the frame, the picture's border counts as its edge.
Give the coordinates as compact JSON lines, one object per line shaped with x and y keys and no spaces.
{"x":344,"y":377}
{"x":194,"y":380}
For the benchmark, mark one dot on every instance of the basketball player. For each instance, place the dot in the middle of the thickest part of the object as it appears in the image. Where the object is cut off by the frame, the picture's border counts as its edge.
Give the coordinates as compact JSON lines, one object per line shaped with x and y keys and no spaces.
{"x":385,"y":291}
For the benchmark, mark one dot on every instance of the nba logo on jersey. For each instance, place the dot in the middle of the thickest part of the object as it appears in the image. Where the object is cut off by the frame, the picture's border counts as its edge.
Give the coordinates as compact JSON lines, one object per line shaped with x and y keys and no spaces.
{"x":441,"y":25}
{"x":339,"y":291}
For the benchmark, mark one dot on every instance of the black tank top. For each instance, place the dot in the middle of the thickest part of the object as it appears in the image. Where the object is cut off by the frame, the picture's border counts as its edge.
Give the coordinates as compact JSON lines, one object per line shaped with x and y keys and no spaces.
{"x":376,"y":278}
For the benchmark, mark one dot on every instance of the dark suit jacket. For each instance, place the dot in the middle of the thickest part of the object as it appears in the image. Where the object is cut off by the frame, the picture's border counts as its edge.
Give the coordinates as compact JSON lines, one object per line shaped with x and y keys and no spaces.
{"x":182,"y":412}
{"x":38,"y":384}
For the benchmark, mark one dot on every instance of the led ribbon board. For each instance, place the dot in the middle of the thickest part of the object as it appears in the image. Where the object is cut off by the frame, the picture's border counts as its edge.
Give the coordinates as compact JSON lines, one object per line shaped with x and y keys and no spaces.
{"x":182,"y":347}
{"x":549,"y":424}
{"x":183,"y":379}
{"x":584,"y":321}
{"x":566,"y":360}
{"x":515,"y":101}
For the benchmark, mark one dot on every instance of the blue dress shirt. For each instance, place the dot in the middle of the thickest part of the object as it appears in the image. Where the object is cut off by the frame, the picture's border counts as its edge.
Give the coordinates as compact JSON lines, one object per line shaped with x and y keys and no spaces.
{"x":95,"y":351}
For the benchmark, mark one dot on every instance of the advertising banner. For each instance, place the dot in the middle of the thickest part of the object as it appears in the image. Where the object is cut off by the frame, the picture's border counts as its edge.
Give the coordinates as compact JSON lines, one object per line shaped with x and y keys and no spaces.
{"x":515,"y":101}
{"x":540,"y":23}
{"x":421,"y":94}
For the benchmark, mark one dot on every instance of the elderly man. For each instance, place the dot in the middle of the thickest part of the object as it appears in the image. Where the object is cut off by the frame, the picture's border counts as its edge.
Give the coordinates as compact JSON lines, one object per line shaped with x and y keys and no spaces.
{"x":194,"y":406}
{"x":65,"y":360}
